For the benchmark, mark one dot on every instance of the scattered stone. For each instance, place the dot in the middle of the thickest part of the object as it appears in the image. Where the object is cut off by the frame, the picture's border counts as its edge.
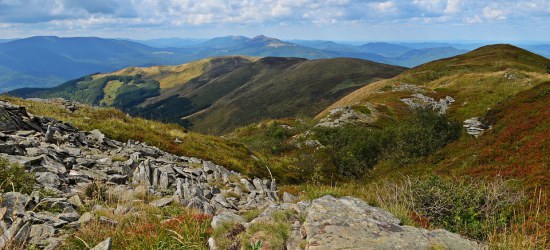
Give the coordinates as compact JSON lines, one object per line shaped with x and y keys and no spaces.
{"x":162,"y":202}
{"x":106,"y":220}
{"x":40,"y":233}
{"x":15,"y":203}
{"x":421,"y":101}
{"x":474,"y":126}
{"x":47,"y":179}
{"x":75,"y":201}
{"x":341,"y":116}
{"x":69,"y":216}
{"x":288,"y":198}
{"x":222,"y":217}
{"x":104,"y":245}
{"x":86,"y":217}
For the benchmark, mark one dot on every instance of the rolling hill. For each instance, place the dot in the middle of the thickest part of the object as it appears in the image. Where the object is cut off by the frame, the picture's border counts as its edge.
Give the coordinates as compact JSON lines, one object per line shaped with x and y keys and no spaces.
{"x":503,"y":87}
{"x":216,"y":95}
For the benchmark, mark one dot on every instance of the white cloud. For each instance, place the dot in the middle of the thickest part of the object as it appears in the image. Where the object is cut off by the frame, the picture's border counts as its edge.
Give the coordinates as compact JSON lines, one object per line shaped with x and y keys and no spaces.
{"x":493,"y":13}
{"x":189,"y":14}
{"x":453,"y":6}
{"x":388,"y":6}
{"x":473,"y":19}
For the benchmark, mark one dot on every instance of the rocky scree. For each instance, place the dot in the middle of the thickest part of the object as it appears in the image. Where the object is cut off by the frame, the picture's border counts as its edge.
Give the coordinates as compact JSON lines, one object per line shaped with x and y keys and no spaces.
{"x":65,"y":161}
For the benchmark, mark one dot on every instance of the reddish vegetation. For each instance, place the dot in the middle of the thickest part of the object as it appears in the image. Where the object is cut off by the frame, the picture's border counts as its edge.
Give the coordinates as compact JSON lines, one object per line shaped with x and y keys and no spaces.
{"x":518,"y":146}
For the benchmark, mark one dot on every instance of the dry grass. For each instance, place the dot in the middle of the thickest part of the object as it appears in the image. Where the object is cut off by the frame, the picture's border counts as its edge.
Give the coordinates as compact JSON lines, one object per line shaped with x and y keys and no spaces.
{"x":138,"y":224}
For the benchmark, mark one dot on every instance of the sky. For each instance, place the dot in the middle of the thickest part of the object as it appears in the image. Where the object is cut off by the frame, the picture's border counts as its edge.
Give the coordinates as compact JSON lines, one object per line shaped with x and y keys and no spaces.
{"x":341,"y":20}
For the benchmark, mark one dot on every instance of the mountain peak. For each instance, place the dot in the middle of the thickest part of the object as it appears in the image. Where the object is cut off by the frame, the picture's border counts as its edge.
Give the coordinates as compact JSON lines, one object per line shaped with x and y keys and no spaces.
{"x":268,"y":41}
{"x":263,"y":38}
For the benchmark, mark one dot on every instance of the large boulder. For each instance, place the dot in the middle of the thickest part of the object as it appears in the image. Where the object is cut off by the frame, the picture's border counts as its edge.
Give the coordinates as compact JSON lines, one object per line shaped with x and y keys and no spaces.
{"x":350,"y":223}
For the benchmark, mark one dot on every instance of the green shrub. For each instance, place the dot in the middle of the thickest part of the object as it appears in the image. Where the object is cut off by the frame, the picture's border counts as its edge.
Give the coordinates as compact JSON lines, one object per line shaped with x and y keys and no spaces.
{"x":14,"y":178}
{"x":422,"y":134}
{"x":464,"y":206}
{"x":354,"y":150}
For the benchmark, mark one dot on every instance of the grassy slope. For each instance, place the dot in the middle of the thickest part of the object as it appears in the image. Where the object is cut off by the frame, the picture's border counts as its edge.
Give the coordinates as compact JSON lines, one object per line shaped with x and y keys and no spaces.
{"x":477,"y":80}
{"x":517,"y":145}
{"x":220,"y":94}
{"x":298,"y":88}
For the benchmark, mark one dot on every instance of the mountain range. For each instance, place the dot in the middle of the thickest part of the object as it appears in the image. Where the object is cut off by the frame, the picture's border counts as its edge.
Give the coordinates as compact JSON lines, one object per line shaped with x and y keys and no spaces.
{"x":49,"y":61}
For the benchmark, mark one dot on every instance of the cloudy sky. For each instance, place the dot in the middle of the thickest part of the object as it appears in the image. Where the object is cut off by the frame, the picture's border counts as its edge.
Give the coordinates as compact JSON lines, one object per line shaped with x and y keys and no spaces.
{"x":352,"y":20}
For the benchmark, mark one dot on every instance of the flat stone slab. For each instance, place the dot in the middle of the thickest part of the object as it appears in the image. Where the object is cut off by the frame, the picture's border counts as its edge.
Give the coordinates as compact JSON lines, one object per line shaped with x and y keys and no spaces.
{"x":350,"y":223}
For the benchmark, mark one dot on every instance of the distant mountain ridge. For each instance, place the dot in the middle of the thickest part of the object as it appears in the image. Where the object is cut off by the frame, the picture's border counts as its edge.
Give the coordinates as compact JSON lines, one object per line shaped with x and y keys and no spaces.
{"x":48,"y":61}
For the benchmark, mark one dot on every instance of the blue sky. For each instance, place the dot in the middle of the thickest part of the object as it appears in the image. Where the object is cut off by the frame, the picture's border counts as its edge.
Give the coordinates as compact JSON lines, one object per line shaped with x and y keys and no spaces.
{"x":352,"y":20}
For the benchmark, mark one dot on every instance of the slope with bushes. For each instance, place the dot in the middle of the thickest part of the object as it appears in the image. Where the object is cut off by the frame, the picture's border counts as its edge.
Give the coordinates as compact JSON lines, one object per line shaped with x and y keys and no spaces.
{"x":490,"y":83}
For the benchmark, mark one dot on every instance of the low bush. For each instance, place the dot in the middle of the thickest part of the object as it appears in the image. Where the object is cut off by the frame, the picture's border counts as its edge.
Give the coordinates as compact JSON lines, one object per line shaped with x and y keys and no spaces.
{"x":354,"y":150}
{"x":14,"y":178}
{"x":422,"y":134}
{"x":465,"y":206}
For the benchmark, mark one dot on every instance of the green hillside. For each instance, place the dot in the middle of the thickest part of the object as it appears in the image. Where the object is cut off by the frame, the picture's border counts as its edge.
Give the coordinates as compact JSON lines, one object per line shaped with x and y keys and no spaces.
{"x":478,"y":80}
{"x":219,"y":94}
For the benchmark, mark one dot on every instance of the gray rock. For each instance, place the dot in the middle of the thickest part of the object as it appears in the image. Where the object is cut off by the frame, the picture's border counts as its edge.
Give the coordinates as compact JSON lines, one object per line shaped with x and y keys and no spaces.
{"x":212,"y":244}
{"x":288,"y":198}
{"x":86,"y":217}
{"x":69,"y":216}
{"x":104,"y":245}
{"x":258,"y":185}
{"x":207,"y":209}
{"x":40,"y":233}
{"x":118,"y":179}
{"x":106,"y":220}
{"x":474,"y":126}
{"x":218,"y":198}
{"x":162,"y":202}
{"x":222,"y":217}
{"x":96,"y":137}
{"x":15,"y":203}
{"x":248,"y":185}
{"x":47,"y":179}
{"x":75,"y":201}
{"x":166,"y":177}
{"x":349,"y":223}
{"x":16,"y":234}
{"x":142,"y":174}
